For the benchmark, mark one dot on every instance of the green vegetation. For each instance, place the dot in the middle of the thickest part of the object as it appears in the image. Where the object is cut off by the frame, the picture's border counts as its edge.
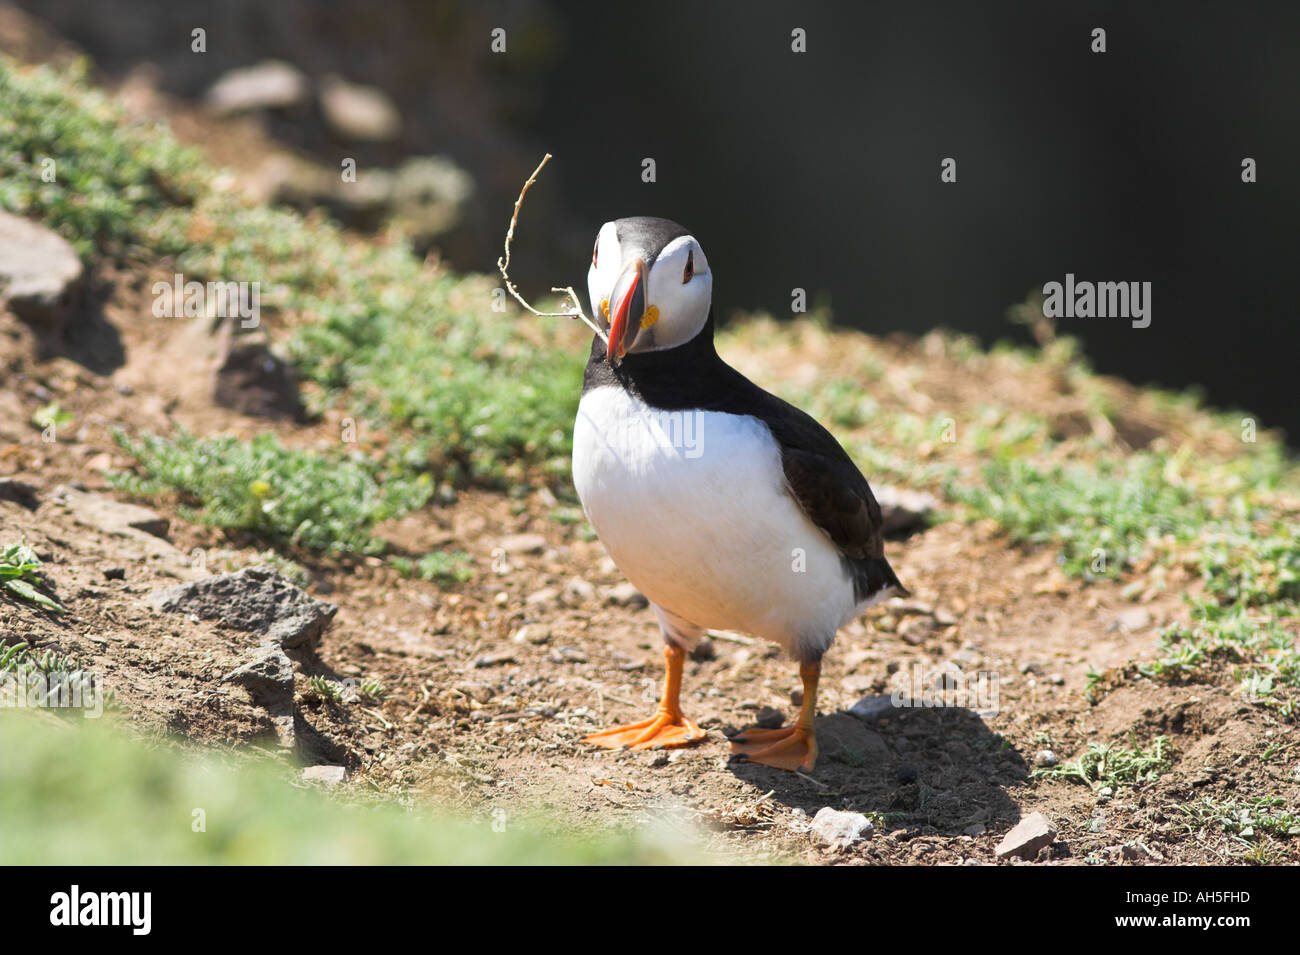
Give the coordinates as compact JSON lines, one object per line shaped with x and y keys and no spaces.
{"x":442,"y":566}
{"x":93,"y":797}
{"x":451,"y":390}
{"x":18,"y":577}
{"x":1102,"y":765}
{"x":289,"y":496}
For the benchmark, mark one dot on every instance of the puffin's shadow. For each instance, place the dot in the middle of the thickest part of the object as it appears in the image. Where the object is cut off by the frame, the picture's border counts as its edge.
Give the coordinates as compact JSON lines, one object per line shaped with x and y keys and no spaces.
{"x":939,"y":770}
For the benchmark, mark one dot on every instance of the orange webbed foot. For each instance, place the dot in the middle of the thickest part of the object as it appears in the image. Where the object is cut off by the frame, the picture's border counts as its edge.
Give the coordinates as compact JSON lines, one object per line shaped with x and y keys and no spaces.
{"x":792,"y":748}
{"x":661,"y":731}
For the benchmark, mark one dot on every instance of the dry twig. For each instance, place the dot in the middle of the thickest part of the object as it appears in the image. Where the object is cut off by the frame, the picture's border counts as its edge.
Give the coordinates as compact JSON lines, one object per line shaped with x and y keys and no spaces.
{"x":503,"y":264}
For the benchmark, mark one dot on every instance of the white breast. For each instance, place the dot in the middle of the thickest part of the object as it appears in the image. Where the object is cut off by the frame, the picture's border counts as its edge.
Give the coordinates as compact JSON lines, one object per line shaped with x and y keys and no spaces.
{"x":693,"y":507}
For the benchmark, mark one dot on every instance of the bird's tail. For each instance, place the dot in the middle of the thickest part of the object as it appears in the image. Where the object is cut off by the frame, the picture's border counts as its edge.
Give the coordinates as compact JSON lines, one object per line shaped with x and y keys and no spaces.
{"x":874,"y":580}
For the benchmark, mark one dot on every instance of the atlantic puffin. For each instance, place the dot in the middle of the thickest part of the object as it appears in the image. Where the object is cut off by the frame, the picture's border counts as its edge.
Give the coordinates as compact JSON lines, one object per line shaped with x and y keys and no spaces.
{"x":728,"y":508}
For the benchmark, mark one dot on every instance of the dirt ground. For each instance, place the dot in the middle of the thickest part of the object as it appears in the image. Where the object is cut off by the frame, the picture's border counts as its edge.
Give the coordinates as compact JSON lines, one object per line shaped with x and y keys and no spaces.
{"x":490,"y":685}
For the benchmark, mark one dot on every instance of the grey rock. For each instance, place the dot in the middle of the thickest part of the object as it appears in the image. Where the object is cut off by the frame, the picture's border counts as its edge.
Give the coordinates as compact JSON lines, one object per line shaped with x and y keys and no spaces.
{"x":108,"y":515}
{"x":40,"y":273}
{"x":769,"y":718}
{"x":358,"y":112}
{"x":1045,"y":759}
{"x":974,"y":829}
{"x":495,"y":659}
{"x":271,"y":84}
{"x":1029,"y":837}
{"x":523,"y":544}
{"x":917,"y":631}
{"x":872,"y":708}
{"x":329,"y":775}
{"x":268,"y":677}
{"x":580,"y":589}
{"x":626,"y":595}
{"x":255,"y":600}
{"x":840,"y":829}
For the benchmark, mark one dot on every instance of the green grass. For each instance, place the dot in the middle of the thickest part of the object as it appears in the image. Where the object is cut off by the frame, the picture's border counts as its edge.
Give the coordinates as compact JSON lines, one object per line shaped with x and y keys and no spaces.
{"x":445,"y":567}
{"x":1102,"y":765}
{"x":291,"y":497}
{"x":18,"y":577}
{"x":110,"y":177}
{"x":85,"y":795}
{"x":1101,"y":514}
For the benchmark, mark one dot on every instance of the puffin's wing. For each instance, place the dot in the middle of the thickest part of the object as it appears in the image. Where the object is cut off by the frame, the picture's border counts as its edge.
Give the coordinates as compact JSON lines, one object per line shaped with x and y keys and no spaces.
{"x":833,"y":493}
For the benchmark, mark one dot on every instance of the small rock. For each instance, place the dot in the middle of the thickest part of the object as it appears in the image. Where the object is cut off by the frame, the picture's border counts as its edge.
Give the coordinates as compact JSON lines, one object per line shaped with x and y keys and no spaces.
{"x":543,"y":596}
{"x":479,"y":692}
{"x":872,"y":708}
{"x":839,"y":829}
{"x":974,"y":829}
{"x":329,"y":775}
{"x":359,"y":112}
{"x":568,"y":655}
{"x":626,"y":595}
{"x":1031,"y":835}
{"x":271,"y":84}
{"x":769,"y":718}
{"x":523,"y":544}
{"x":917,"y":631}
{"x":495,"y":659}
{"x":40,"y":272}
{"x":580,"y":589}
{"x":256,"y":600}
{"x":1132,"y":621}
{"x":906,"y":774}
{"x":1045,"y":759}
{"x":115,"y":573}
{"x":108,"y":515}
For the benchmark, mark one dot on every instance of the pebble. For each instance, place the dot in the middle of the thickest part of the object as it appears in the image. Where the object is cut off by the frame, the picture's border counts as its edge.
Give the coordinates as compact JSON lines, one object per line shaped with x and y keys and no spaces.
{"x":1045,"y":759}
{"x":1030,"y":836}
{"x":840,"y":829}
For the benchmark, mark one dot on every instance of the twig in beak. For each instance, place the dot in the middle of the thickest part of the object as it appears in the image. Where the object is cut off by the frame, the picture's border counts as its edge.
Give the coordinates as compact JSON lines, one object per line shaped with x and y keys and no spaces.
{"x":503,"y":264}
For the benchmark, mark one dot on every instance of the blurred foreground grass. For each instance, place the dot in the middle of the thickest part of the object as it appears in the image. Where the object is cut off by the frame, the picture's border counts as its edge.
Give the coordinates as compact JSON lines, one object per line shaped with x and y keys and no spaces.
{"x":81,"y":793}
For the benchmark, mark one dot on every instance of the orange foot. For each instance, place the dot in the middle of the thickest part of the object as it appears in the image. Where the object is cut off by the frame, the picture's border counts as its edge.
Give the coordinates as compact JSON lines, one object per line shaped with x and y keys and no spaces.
{"x":661,"y":731}
{"x":793,"y":748}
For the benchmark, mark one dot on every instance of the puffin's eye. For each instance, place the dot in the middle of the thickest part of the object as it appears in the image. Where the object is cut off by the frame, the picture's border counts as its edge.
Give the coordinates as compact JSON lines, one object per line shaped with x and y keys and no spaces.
{"x":595,"y":250}
{"x":690,"y":266}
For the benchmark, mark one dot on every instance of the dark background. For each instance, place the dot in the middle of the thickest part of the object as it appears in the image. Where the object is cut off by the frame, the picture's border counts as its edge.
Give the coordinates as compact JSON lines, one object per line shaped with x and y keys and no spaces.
{"x":821,"y":170}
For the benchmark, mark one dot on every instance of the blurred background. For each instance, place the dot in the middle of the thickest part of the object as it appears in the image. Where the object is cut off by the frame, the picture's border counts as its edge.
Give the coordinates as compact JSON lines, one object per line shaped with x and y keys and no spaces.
{"x":817,"y":170}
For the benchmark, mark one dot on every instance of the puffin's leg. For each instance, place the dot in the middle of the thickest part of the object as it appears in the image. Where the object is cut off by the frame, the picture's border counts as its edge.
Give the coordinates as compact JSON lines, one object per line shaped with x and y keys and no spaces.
{"x":668,"y":728}
{"x":792,"y":747}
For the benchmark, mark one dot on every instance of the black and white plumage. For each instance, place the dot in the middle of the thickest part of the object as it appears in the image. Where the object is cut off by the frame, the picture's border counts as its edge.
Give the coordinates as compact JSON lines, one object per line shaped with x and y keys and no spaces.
{"x":726,"y":506}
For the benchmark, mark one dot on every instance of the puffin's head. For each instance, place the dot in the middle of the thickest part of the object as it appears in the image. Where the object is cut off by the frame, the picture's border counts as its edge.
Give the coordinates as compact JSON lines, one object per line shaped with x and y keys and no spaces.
{"x":651,"y":281}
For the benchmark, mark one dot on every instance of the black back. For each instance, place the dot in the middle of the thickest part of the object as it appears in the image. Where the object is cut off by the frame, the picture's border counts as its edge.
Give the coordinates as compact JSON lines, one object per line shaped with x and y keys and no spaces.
{"x":821,"y":476}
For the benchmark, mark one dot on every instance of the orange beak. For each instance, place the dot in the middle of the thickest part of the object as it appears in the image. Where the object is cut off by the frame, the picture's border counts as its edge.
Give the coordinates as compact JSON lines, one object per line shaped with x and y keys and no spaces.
{"x":627,"y":306}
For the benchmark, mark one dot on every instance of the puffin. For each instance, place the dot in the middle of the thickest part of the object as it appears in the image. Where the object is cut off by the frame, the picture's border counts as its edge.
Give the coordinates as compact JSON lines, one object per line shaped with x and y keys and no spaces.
{"x":727,"y":507}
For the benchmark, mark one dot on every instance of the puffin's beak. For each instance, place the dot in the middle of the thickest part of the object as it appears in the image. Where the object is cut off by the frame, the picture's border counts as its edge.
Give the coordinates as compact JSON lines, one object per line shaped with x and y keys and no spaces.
{"x":627,"y":306}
